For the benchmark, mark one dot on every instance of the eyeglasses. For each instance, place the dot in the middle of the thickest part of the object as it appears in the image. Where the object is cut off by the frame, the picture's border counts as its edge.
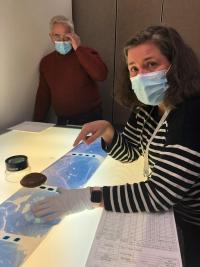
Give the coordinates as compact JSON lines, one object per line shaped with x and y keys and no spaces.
{"x":60,"y":37}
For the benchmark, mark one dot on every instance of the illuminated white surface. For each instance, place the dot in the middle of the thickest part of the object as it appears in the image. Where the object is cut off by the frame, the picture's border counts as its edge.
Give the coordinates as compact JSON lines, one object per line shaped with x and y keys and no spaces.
{"x":42,"y":149}
{"x":67,"y":244}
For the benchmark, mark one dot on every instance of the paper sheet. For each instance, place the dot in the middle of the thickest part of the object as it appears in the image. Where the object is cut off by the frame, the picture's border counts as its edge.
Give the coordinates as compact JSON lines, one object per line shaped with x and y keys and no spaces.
{"x":135,"y":240}
{"x":31,"y":126}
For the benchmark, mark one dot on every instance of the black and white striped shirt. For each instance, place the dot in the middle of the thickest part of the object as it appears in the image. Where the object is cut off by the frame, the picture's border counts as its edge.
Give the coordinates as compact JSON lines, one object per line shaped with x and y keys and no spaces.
{"x":174,"y":159}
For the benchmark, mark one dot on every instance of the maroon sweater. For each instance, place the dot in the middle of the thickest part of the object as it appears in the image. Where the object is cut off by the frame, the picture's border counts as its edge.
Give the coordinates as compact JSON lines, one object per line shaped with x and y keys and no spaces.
{"x":67,"y":82}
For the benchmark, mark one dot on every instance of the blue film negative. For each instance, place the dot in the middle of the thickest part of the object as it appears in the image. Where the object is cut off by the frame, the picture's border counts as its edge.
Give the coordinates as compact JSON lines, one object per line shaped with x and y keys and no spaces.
{"x":20,"y":231}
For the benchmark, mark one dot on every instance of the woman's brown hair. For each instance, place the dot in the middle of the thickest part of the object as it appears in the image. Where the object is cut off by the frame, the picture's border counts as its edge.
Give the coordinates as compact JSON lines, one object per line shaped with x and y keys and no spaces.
{"x":183,"y":76}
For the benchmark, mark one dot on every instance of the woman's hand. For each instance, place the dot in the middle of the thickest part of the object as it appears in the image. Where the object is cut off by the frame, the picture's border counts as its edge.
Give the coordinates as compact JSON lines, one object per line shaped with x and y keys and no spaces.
{"x":93,"y":130}
{"x":66,"y":202}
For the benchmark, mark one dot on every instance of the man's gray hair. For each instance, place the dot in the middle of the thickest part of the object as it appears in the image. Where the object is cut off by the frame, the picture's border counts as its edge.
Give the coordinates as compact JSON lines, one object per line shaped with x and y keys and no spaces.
{"x":61,"y":19}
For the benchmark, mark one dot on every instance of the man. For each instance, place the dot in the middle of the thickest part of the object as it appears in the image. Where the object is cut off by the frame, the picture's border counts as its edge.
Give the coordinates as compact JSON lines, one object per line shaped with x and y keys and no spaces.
{"x":68,"y":78}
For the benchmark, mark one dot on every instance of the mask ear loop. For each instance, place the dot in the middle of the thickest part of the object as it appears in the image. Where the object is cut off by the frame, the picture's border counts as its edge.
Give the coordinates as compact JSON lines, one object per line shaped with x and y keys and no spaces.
{"x":169,"y":68}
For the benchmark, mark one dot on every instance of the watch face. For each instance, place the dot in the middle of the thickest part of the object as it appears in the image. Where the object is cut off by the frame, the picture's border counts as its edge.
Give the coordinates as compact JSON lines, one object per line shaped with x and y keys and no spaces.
{"x":96,"y":196}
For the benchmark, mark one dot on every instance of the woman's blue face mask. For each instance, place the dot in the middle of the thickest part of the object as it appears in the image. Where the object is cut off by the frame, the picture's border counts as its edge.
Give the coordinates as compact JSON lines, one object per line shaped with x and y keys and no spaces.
{"x":150,"y":88}
{"x":63,"y":47}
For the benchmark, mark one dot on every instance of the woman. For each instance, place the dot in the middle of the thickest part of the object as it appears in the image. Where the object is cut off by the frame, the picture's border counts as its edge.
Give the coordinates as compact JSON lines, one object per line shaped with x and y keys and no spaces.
{"x":164,"y":127}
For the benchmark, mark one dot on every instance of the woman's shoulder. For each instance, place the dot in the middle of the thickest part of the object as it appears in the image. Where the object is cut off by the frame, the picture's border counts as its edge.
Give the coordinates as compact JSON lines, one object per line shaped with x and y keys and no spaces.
{"x":184,"y":123}
{"x":188,"y":109}
{"x":139,"y":114}
{"x":192,"y":102}
{"x":143,"y":110}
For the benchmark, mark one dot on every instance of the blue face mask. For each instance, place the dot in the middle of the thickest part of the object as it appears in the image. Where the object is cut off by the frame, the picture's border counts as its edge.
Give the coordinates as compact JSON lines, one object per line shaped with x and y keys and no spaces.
{"x":63,"y":47}
{"x":150,"y":88}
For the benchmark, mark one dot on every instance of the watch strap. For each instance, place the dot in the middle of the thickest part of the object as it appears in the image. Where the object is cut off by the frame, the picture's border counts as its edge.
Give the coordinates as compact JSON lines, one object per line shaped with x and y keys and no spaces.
{"x":96,"y":195}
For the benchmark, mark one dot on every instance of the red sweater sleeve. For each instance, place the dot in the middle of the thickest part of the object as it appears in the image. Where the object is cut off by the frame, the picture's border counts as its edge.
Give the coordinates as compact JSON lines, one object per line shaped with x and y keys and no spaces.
{"x":43,"y":99}
{"x":92,"y":63}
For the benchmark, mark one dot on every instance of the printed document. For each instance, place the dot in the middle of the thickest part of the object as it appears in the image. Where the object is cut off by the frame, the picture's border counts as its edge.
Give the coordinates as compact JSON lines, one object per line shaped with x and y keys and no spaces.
{"x":135,"y":240}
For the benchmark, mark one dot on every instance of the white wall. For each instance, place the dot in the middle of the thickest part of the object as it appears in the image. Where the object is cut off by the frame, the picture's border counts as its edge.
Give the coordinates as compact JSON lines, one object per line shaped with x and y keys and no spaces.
{"x":24,"y":28}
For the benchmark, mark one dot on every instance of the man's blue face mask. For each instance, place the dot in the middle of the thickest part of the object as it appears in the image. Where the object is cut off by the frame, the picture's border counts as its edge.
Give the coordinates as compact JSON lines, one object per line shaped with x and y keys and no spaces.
{"x":150,"y":88}
{"x":63,"y":47}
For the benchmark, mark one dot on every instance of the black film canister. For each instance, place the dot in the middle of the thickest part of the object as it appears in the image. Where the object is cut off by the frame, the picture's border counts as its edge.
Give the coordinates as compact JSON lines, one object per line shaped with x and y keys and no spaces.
{"x":16,"y":163}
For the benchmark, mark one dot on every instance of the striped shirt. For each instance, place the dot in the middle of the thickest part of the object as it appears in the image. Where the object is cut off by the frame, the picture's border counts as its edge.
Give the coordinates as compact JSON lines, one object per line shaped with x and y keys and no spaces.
{"x":174,"y":160}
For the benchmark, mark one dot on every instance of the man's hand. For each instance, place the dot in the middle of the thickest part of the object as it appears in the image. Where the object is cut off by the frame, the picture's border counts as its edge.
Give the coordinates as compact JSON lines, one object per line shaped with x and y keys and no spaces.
{"x":74,"y":39}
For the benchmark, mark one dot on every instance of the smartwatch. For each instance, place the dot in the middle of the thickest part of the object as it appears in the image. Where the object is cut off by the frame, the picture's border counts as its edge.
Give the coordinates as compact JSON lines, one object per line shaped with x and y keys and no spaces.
{"x":96,"y":195}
